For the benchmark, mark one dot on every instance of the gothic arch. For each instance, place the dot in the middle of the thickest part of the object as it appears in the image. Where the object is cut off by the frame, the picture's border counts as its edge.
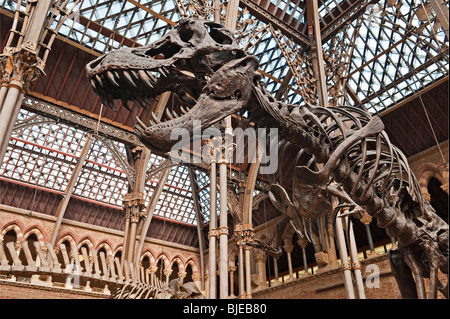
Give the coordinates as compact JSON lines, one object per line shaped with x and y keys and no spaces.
{"x":178,"y":259}
{"x":36,"y":231}
{"x":12,"y":226}
{"x":428,"y":171}
{"x":86,"y":241}
{"x":104,"y":244}
{"x":150,"y":257}
{"x":165,"y":260}
{"x":69,"y":237}
{"x":194,"y":266}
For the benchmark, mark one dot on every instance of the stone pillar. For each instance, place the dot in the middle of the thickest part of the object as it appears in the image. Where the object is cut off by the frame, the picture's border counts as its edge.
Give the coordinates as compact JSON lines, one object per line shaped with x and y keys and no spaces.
{"x":182,"y":275}
{"x":167,"y":273}
{"x":445,"y":177}
{"x":356,"y":266}
{"x":244,"y":234}
{"x":344,"y":259}
{"x":288,"y":248}
{"x":261,"y":259}
{"x":21,"y":65}
{"x":275,"y":270}
{"x":303,"y":242}
{"x":133,"y":204}
{"x":212,"y":234}
{"x":366,"y":219}
{"x":223,"y":231}
{"x":241,"y":275}
{"x":231,"y":270}
{"x":152,"y":271}
{"x":248,"y":272}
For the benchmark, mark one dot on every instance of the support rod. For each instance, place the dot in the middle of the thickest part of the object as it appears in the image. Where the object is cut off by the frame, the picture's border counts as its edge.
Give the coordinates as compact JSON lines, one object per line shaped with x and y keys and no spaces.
{"x":355,"y":263}
{"x":70,"y":187}
{"x":440,"y":7}
{"x":201,"y":243}
{"x":212,"y":230}
{"x":150,"y":210}
{"x":241,"y":272}
{"x":223,"y":232}
{"x":344,"y":258}
{"x":317,"y":51}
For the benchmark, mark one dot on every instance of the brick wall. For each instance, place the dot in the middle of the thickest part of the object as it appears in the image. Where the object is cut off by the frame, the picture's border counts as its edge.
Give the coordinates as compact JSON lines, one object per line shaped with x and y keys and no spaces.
{"x":18,"y":290}
{"x":330,"y":284}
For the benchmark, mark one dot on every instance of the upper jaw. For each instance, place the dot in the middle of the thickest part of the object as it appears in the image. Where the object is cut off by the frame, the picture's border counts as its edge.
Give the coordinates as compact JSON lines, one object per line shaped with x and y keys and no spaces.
{"x":178,"y":62}
{"x":115,"y":77}
{"x":227,"y":91}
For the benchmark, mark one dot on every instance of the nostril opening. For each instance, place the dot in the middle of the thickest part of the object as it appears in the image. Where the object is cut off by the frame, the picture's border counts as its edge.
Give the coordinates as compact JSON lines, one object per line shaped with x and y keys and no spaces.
{"x":93,"y":64}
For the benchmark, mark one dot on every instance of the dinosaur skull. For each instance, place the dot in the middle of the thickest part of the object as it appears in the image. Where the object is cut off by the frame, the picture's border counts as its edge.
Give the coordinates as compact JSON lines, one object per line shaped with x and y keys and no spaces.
{"x":198,"y":61}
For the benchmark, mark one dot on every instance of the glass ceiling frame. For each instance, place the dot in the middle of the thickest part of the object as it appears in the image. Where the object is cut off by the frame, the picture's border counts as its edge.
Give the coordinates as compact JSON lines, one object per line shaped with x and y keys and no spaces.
{"x":34,"y":157}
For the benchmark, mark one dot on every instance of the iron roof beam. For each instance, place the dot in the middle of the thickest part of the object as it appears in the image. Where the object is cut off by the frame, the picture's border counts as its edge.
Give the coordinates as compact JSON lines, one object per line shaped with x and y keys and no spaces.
{"x":274,"y":18}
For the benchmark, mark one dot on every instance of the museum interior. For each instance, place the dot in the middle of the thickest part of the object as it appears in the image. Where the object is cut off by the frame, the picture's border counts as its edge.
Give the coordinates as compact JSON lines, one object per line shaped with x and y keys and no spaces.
{"x":240,"y":149}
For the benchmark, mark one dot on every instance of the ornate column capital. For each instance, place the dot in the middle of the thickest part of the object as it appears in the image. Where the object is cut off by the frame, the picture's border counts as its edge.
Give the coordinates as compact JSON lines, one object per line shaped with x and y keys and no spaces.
{"x":152,"y":270}
{"x":232,"y":268}
{"x":366,"y":219}
{"x":303,"y":242}
{"x":21,"y":64}
{"x":213,"y":233}
{"x":167,"y":272}
{"x":197,"y":277}
{"x":288,"y":248}
{"x":244,"y":234}
{"x":133,"y":204}
{"x":223,"y":230}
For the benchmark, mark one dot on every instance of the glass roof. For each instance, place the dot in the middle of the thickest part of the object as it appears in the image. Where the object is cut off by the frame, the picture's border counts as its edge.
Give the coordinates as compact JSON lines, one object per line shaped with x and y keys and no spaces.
{"x":43,"y":153}
{"x":394,"y":52}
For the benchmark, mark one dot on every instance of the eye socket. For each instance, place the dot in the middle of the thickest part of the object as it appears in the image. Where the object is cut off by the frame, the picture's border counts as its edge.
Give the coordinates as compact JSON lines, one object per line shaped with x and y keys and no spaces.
{"x":219,"y":35}
{"x":186,"y":34}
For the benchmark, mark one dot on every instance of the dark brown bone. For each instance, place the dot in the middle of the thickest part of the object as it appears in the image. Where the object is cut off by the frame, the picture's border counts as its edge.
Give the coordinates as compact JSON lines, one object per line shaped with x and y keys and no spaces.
{"x":372,"y":171}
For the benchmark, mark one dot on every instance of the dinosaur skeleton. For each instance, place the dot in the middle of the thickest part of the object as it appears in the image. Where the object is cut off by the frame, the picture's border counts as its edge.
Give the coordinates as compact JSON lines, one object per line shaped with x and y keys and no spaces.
{"x":200,"y":63}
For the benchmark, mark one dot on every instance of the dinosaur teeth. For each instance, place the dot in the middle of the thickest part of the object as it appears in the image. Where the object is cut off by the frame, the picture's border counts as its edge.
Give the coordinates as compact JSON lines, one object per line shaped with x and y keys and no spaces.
{"x":140,"y":126}
{"x":150,"y":76}
{"x":141,"y":101}
{"x":187,"y":73}
{"x":134,"y":74}
{"x":169,"y":115}
{"x":128,"y":78}
{"x":110,"y":101}
{"x":107,"y":100}
{"x":125,"y":103}
{"x":93,"y":84}
{"x":163,"y":71}
{"x":155,"y":118}
{"x":111,"y":78}
{"x":183,"y":110}
{"x":143,"y":76}
{"x":98,"y":81}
